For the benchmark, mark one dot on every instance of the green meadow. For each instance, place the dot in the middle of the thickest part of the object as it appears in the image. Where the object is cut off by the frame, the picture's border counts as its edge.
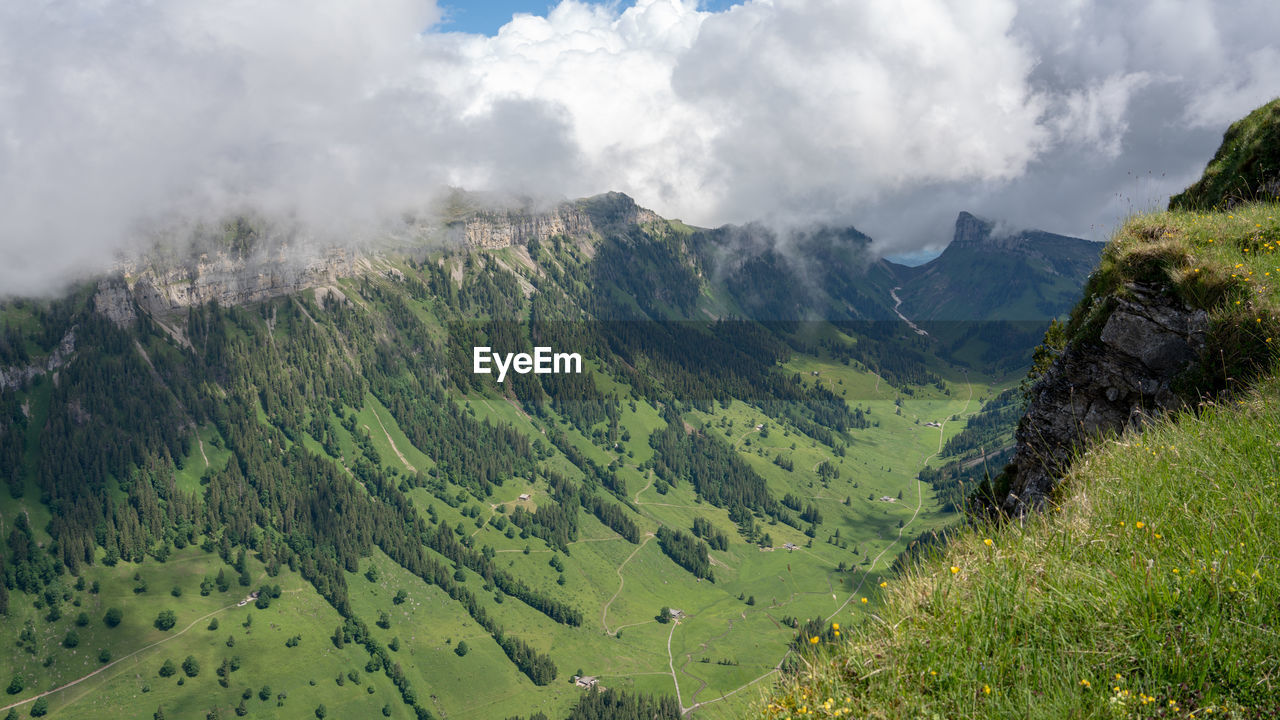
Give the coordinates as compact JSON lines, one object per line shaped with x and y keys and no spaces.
{"x":726,"y":644}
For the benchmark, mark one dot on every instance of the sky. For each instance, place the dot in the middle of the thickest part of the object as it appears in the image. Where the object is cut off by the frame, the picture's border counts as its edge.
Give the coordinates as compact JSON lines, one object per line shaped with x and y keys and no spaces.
{"x":119,"y":118}
{"x":486,"y":18}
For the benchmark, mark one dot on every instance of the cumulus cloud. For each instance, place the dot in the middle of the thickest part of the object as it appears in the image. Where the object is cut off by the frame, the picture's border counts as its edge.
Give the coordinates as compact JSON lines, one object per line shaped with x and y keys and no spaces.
{"x":1063,"y":116}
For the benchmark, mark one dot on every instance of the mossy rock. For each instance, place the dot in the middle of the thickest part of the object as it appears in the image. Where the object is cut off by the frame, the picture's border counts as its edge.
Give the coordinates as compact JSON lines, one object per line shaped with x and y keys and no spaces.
{"x":1246,"y":166}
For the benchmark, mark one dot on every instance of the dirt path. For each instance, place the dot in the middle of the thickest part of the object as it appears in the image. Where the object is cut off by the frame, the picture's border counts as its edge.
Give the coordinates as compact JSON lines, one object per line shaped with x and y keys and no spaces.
{"x":636,"y":498}
{"x":915,"y":513}
{"x":512,"y":402}
{"x":604,"y":614}
{"x":492,"y":512}
{"x":738,"y":444}
{"x":113,"y":663}
{"x":392,"y":443}
{"x":671,"y":663}
{"x":201,"y":444}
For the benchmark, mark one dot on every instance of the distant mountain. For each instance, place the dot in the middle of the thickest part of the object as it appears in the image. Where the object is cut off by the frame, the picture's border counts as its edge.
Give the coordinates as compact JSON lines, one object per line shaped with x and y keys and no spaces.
{"x":816,"y":273}
{"x":984,"y":275}
{"x":984,"y":302}
{"x":241,"y":418}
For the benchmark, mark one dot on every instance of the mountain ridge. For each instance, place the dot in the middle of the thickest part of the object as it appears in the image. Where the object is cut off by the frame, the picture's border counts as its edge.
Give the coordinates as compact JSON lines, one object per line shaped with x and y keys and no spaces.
{"x":983,"y":274}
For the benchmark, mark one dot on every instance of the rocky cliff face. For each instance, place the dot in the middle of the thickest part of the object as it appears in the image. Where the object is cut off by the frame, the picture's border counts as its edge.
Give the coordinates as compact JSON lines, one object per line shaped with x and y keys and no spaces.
{"x":974,"y":233}
{"x":228,"y":277}
{"x":17,"y":376}
{"x":499,"y":229}
{"x":1103,"y":386}
{"x":221,"y":278}
{"x":492,"y":229}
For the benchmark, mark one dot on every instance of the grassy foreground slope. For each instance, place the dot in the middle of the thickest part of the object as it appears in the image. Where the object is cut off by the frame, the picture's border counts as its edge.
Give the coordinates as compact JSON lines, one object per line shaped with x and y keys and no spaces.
{"x":1152,"y":588}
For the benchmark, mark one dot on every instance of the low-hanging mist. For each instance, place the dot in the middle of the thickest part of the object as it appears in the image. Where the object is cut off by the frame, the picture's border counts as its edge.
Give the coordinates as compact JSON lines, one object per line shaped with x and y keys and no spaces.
{"x":120,"y":116}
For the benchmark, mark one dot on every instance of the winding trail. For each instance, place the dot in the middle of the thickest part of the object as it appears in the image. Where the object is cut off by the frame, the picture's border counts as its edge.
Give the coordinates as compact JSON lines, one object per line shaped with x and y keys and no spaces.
{"x":604,"y":613}
{"x":113,"y":663}
{"x":671,"y":663}
{"x":854,"y":593}
{"x":636,"y":498}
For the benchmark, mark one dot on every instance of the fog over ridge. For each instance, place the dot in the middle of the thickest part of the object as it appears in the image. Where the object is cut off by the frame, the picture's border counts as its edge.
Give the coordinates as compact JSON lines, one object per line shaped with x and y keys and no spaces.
{"x":116,"y":115}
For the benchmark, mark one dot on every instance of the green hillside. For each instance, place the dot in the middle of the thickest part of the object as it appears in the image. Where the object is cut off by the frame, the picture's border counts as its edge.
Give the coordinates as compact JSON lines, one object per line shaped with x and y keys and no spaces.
{"x":425,"y":526}
{"x":1150,"y":591}
{"x":1246,"y":166}
{"x":1149,"y":588}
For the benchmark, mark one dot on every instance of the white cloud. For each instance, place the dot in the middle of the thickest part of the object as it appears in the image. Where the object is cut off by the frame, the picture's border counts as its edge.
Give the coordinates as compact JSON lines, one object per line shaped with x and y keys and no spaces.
{"x":886,"y":115}
{"x":789,"y":109}
{"x":1096,"y":117}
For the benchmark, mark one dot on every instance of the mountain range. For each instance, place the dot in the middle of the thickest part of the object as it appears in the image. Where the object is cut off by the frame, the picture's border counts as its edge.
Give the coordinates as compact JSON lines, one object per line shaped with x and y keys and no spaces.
{"x":249,"y":478}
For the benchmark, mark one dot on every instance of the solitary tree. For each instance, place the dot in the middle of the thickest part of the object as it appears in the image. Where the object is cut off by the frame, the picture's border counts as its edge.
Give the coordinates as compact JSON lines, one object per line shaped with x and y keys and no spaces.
{"x":166,"y":620}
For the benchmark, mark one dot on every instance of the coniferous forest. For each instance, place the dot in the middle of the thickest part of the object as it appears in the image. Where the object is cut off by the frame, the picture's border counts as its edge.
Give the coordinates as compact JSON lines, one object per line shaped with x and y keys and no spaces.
{"x":339,"y":436}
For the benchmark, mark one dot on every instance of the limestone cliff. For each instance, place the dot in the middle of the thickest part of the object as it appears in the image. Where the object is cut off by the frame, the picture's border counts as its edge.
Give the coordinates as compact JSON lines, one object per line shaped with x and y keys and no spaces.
{"x":255,"y":262}
{"x":492,"y":229}
{"x":221,"y":277}
{"x":489,"y":228}
{"x":1103,"y":386}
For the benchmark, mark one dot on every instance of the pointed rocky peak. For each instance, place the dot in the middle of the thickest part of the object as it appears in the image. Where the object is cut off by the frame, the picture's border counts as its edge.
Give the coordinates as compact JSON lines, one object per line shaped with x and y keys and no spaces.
{"x":970,"y":230}
{"x":973,"y":232}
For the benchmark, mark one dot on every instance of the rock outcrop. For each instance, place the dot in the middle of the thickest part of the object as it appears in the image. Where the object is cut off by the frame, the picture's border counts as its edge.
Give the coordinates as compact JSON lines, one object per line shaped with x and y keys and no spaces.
{"x":1103,"y":386}
{"x":114,"y":300}
{"x":220,"y":278}
{"x":270,"y":267}
{"x":15,"y":377}
{"x":498,"y":229}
